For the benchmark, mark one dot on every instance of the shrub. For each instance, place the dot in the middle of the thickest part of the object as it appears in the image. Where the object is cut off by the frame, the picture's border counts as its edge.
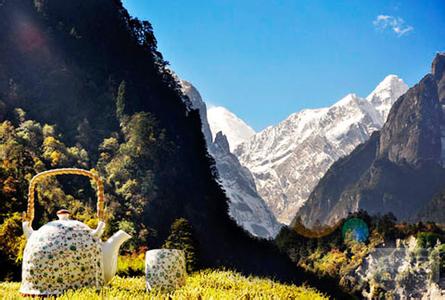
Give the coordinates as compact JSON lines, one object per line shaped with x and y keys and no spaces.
{"x":181,"y":238}
{"x":12,"y":243}
{"x":427,"y":239}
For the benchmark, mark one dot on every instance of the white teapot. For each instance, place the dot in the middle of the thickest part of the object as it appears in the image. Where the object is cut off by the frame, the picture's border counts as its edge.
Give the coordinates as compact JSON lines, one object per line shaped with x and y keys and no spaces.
{"x":67,"y":254}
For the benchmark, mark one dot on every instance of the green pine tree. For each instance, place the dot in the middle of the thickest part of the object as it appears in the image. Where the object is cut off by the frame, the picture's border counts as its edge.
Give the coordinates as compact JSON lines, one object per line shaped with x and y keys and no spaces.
{"x":120,"y":100}
{"x":181,"y":238}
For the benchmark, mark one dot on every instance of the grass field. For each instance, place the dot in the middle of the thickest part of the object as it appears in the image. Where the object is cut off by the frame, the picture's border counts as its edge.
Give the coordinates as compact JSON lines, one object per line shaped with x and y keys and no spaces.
{"x":201,"y":285}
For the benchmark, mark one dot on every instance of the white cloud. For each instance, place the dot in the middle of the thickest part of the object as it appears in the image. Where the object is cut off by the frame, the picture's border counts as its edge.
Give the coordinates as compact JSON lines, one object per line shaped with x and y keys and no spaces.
{"x":395,"y":24}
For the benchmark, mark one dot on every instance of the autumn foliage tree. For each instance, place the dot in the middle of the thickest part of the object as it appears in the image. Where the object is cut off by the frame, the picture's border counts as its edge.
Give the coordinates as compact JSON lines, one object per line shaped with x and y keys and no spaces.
{"x":27,"y":148}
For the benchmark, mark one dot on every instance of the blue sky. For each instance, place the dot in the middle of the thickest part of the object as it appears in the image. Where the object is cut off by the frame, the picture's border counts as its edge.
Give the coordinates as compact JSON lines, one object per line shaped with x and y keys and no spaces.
{"x":265,"y":59}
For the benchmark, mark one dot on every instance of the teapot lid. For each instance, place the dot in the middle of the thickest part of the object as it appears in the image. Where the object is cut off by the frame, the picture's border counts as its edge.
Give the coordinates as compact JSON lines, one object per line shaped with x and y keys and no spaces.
{"x":63,"y":214}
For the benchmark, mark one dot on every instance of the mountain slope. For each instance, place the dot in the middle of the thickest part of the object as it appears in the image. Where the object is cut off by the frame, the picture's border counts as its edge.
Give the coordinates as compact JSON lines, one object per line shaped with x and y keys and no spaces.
{"x":235,"y":129}
{"x":398,"y":170}
{"x":245,"y":206}
{"x":288,"y":159}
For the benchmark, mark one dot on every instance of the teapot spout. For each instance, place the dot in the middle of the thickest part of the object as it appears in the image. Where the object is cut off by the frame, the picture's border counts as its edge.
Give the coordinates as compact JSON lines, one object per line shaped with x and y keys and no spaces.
{"x":110,"y":251}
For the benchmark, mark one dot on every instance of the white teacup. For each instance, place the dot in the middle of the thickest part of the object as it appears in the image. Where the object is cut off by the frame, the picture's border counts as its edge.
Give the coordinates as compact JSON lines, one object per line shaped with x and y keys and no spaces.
{"x":165,"y":269}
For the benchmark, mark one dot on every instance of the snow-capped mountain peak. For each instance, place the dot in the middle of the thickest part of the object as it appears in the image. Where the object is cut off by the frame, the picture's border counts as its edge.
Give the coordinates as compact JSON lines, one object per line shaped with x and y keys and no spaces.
{"x":386,"y":93}
{"x":235,"y":129}
{"x":349,"y":99}
{"x":288,"y":159}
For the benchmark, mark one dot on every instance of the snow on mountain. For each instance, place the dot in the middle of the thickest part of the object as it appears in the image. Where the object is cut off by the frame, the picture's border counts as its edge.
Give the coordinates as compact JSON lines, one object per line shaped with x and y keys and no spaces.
{"x":235,"y":129}
{"x":399,"y":170}
{"x":386,"y":93}
{"x":288,"y":159}
{"x":247,"y":208}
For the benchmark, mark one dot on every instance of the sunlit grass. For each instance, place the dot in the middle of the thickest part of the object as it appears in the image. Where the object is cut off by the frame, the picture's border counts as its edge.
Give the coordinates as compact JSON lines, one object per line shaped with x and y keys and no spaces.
{"x":201,"y":285}
{"x":130,"y":266}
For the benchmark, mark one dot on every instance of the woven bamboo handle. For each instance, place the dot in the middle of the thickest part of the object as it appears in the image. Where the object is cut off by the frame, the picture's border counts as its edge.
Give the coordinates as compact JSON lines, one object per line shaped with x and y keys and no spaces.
{"x":66,"y":171}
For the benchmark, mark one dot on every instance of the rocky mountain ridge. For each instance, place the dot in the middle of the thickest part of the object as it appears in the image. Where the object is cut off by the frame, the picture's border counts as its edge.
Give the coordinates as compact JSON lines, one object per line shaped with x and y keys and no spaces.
{"x":399,"y":170}
{"x":288,"y":159}
{"x":246,"y":207}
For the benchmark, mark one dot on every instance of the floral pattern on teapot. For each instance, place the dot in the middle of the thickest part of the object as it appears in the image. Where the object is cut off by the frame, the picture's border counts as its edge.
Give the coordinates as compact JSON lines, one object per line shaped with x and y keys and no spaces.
{"x":61,"y":255}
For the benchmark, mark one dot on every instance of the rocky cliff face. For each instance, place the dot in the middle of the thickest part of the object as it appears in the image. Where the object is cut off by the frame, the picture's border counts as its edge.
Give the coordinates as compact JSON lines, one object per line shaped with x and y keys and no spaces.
{"x":398,"y":170}
{"x":246,"y":206}
{"x":287,"y":160}
{"x":412,"y":133}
